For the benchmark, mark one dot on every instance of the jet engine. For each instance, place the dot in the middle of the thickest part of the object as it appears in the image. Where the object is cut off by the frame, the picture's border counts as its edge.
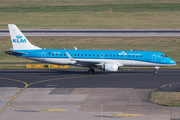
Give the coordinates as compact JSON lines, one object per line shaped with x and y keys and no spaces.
{"x":110,"y":67}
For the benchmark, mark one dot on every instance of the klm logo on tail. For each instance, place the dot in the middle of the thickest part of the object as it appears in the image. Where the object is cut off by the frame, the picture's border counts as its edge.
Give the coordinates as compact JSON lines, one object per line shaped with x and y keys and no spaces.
{"x":19,"y":39}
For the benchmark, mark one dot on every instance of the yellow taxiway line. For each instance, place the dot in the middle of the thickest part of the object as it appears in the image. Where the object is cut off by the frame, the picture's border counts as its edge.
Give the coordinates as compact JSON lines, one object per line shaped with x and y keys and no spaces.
{"x":26,"y":85}
{"x":55,"y":109}
{"x":16,"y":94}
{"x":40,"y":110}
{"x":123,"y":115}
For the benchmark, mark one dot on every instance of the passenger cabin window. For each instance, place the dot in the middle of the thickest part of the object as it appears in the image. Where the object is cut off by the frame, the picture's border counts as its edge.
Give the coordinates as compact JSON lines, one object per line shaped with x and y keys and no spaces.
{"x":129,"y":56}
{"x":74,"y":54}
{"x":133,"y":56}
{"x":89,"y":55}
{"x":93,"y":54}
{"x":136,"y":55}
{"x":140,"y":55}
{"x":117,"y":55}
{"x":114,"y":55}
{"x":97,"y":55}
{"x":121,"y":55}
{"x":56,"y":54}
{"x":110,"y":55}
{"x":81,"y":54}
{"x":85,"y":54}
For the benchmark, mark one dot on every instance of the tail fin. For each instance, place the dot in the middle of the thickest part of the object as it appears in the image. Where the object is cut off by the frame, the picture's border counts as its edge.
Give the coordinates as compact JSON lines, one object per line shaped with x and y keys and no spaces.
{"x":19,"y":41}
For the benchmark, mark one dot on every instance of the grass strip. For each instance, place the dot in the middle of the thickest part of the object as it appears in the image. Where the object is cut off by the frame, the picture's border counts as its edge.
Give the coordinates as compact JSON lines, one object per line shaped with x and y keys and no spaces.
{"x":116,"y":7}
{"x":171,"y":99}
{"x":23,"y":66}
{"x":126,"y":14}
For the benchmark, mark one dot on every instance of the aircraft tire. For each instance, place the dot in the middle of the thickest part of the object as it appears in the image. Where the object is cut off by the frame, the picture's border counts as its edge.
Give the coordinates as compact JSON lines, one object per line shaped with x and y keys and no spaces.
{"x":90,"y":71}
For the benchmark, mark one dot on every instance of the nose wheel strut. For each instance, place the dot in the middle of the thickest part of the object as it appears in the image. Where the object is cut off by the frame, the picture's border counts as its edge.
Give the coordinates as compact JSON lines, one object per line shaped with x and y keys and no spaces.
{"x":156,"y":70}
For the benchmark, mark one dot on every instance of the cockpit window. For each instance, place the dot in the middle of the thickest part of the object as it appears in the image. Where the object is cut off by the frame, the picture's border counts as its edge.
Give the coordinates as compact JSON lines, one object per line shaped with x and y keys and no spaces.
{"x":162,"y":56}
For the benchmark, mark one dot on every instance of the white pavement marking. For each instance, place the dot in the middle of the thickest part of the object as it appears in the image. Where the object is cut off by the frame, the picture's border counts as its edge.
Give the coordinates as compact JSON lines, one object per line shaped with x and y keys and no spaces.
{"x":51,"y":85}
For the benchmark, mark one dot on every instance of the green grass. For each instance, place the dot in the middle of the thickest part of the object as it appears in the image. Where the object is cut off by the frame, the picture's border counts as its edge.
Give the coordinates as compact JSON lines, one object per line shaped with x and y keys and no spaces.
{"x":23,"y":66}
{"x":12,"y":66}
{"x":93,"y":20}
{"x":38,"y":3}
{"x":127,"y":14}
{"x":171,"y":99}
{"x":94,"y":8}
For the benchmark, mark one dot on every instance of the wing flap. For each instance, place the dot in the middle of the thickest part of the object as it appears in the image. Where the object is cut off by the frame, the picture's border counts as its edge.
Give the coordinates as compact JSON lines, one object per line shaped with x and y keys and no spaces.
{"x":89,"y":62}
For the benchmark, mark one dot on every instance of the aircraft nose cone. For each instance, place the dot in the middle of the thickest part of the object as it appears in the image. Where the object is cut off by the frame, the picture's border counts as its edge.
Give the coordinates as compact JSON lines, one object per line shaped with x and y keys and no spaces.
{"x":173,"y":62}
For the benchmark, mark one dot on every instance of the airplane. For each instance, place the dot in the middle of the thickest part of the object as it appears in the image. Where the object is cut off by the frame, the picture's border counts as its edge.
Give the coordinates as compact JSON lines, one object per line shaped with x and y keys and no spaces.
{"x":107,"y":60}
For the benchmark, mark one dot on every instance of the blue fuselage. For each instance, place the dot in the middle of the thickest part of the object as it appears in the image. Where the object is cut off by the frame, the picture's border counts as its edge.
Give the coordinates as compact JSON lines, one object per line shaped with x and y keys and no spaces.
{"x":127,"y":58}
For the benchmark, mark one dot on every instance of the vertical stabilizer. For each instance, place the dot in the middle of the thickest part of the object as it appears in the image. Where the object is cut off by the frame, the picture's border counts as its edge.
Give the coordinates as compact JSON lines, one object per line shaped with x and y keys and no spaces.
{"x":19,"y":41}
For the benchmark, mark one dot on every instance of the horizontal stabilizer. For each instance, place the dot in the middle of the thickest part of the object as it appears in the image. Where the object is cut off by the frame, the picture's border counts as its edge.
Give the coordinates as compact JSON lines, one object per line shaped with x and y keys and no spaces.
{"x":13,"y":52}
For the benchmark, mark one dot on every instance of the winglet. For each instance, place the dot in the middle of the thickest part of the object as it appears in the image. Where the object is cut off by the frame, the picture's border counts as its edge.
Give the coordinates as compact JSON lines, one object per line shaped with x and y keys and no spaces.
{"x":75,"y":48}
{"x":69,"y":56}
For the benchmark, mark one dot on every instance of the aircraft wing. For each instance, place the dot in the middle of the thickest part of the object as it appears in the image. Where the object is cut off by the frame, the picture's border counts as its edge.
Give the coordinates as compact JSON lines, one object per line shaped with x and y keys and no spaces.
{"x":84,"y":61}
{"x":91,"y":62}
{"x":88,"y":62}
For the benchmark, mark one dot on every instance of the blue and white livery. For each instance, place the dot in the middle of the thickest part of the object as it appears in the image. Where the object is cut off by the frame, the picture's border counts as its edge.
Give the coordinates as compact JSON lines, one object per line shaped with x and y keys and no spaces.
{"x":108,"y":60}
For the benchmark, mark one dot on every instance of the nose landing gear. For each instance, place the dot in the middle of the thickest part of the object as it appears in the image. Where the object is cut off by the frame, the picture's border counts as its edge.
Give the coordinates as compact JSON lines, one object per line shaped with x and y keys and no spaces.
{"x":156,"y":70}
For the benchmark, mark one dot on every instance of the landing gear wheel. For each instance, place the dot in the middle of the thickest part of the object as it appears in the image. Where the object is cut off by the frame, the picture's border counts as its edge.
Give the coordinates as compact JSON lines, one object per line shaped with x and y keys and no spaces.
{"x":90,"y":71}
{"x":156,"y":70}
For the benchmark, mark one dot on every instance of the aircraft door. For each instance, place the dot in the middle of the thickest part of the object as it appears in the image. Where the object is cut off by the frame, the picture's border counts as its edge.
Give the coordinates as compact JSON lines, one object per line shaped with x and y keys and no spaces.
{"x":43,"y":56}
{"x":154,"y":58}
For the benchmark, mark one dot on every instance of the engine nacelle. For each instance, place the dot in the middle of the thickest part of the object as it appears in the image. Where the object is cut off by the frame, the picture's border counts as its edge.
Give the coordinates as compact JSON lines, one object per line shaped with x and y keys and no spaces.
{"x":111,"y":67}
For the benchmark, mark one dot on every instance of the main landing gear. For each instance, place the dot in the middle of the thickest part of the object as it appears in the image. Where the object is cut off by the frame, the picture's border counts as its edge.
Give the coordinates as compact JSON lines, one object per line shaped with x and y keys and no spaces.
{"x":91,"y":71}
{"x":156,"y":70}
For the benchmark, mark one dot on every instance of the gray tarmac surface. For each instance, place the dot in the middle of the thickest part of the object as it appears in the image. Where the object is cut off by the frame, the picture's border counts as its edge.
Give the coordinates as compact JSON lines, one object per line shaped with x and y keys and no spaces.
{"x":69,"y":94}
{"x":137,"y":78}
{"x":98,"y":32}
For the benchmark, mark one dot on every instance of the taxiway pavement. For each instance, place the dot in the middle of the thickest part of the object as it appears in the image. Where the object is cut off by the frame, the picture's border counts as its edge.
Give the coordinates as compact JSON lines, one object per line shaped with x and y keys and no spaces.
{"x":72,"y":78}
{"x":69,"y":94}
